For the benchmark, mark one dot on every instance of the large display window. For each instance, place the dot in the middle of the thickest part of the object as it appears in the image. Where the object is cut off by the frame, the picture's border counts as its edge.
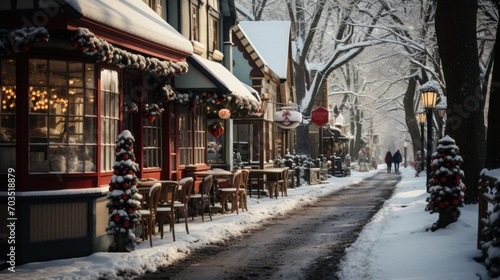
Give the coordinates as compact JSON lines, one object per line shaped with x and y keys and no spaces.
{"x":7,"y":114}
{"x":62,"y":116}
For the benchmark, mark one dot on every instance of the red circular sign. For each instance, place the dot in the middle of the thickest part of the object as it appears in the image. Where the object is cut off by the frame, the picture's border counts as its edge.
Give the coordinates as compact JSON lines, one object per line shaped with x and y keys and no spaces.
{"x":319,"y":116}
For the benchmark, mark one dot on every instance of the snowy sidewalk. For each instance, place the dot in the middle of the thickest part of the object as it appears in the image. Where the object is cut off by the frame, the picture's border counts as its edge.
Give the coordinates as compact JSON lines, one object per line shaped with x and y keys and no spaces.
{"x":394,"y":245}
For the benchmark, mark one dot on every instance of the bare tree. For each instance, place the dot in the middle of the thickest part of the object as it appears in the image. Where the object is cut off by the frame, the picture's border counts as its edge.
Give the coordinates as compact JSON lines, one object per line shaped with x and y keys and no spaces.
{"x":492,"y":159}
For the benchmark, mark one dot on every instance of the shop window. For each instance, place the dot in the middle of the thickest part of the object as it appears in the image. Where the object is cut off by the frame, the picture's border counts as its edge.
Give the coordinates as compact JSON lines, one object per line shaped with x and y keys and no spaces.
{"x":192,"y":144}
{"x":215,"y":146}
{"x":62,"y":116}
{"x":200,"y":136}
{"x":7,"y":114}
{"x":110,"y":117}
{"x":173,"y":137}
{"x":246,"y":141}
{"x":152,"y":139}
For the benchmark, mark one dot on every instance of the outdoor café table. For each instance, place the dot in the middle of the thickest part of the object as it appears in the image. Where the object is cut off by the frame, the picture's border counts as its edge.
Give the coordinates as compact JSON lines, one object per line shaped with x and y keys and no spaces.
{"x":271,"y":175}
{"x":216,"y":173}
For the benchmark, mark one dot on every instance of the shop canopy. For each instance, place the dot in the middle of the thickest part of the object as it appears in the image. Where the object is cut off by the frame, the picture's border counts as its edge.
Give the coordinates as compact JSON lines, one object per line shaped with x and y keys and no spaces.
{"x":210,"y":76}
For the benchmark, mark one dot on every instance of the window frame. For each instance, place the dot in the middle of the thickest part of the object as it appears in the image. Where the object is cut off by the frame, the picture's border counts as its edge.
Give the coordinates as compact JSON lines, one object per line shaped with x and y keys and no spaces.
{"x":109,"y":132}
{"x":60,"y":112}
{"x":213,"y":32}
{"x":192,"y":131}
{"x":194,"y":21}
{"x":8,"y":115}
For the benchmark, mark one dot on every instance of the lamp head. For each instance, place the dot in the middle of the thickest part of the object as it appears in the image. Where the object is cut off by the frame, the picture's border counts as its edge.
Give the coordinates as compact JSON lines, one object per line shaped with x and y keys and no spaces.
{"x":421,"y":117}
{"x":429,"y":97}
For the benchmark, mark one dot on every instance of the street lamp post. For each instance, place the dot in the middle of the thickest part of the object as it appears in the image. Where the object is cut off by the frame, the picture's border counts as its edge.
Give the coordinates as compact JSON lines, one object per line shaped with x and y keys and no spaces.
{"x":405,"y":145}
{"x":421,"y":121}
{"x":429,"y":96}
{"x":441,"y":110}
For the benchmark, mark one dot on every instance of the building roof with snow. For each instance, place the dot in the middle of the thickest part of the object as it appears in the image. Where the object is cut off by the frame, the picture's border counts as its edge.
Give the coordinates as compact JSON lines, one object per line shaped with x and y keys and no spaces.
{"x":269,"y":42}
{"x":135,"y":17}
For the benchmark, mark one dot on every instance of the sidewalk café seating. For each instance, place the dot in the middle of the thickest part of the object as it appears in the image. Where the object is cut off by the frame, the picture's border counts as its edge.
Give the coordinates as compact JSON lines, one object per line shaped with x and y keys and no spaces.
{"x":200,"y":201}
{"x":148,"y":216}
{"x":166,"y":208}
{"x":183,"y":197}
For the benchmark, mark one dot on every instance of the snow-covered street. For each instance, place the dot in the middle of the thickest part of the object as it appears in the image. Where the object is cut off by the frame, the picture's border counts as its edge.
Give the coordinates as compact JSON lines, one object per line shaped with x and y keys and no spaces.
{"x":394,"y":245}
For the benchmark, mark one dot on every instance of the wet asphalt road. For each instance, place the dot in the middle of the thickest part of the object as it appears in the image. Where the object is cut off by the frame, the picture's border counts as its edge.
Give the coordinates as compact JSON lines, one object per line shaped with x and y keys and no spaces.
{"x":307,"y":243}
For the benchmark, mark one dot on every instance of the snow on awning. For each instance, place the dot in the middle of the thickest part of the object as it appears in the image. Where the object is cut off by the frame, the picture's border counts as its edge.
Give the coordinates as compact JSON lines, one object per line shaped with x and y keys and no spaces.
{"x":133,"y":17}
{"x":210,"y":76}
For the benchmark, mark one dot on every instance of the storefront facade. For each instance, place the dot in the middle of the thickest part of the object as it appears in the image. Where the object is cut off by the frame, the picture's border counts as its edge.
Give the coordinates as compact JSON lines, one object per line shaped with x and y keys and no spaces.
{"x":71,"y":82}
{"x":269,"y":71}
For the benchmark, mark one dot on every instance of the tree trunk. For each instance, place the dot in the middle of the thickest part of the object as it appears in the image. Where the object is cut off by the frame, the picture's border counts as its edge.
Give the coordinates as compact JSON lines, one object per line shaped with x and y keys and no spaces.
{"x":302,"y":131}
{"x":446,"y":216}
{"x":492,"y":160}
{"x":456,"y":35}
{"x":410,"y":118}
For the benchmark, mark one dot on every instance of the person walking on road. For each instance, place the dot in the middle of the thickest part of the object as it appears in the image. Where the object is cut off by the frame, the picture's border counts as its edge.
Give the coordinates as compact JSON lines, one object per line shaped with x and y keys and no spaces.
{"x":388,"y":161}
{"x":396,"y":158}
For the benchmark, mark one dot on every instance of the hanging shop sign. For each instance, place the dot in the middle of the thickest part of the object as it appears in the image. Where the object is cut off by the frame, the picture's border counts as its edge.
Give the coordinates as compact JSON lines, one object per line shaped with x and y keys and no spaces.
{"x":319,"y":116}
{"x":287,"y":119}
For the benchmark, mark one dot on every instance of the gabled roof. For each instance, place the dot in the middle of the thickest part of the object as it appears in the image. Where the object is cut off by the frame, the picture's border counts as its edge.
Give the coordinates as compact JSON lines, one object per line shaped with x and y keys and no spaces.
{"x":267,"y":43}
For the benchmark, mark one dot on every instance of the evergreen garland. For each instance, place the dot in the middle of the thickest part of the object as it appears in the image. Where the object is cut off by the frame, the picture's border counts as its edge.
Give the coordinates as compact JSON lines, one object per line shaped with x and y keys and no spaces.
{"x":90,"y":45}
{"x":19,"y":40}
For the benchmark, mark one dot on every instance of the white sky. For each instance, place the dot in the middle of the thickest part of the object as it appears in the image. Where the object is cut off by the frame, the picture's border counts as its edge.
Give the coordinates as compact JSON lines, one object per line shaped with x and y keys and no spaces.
{"x":262,"y":35}
{"x":394,"y":245}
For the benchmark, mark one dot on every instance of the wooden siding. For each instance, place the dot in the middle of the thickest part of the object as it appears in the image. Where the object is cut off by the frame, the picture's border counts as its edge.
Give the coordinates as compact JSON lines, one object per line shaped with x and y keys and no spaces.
{"x":101,"y":216}
{"x":58,"y":221}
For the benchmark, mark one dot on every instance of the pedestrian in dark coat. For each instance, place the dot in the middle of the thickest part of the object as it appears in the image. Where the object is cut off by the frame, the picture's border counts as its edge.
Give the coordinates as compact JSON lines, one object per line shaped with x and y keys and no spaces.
{"x":396,"y":158}
{"x":388,"y":161}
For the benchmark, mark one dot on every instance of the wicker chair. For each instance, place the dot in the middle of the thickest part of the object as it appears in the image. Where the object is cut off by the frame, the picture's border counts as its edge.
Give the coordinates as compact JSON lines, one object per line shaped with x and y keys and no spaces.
{"x":166,"y":208}
{"x":200,"y":201}
{"x":231,"y":192}
{"x":149,"y":216}
{"x":242,"y":192}
{"x":183,"y":197}
{"x":283,"y":183}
